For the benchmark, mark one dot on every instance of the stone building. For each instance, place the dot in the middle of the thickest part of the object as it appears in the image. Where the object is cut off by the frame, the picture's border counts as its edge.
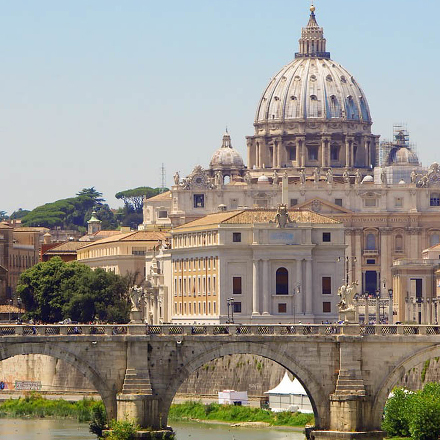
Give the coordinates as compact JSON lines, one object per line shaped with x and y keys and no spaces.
{"x":313,"y":139}
{"x":255,"y":266}
{"x":19,"y":250}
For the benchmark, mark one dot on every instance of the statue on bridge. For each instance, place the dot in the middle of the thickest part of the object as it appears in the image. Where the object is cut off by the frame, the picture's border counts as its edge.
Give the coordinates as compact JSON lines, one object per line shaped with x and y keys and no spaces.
{"x":347,"y":312}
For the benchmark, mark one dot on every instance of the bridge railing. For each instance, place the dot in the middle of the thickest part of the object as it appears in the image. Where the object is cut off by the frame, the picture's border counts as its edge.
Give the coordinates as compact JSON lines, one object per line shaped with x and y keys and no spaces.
{"x":217,"y":330}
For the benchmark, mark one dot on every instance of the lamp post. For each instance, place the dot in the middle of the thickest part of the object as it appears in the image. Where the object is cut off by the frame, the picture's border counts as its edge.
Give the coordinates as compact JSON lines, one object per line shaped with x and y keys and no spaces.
{"x":10,"y":307}
{"x":230,"y":302}
{"x":298,"y":291}
{"x":390,"y":307}
{"x":19,"y":309}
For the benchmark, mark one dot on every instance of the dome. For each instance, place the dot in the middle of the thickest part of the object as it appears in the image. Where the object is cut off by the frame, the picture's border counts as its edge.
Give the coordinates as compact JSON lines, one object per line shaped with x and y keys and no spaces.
{"x":404,"y":156}
{"x":263,"y":179}
{"x":368,"y":179}
{"x":313,"y":86}
{"x":226,"y":157}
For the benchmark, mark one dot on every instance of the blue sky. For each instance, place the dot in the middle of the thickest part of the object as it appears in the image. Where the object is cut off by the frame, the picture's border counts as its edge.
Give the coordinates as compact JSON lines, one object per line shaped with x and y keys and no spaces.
{"x":101,"y":93}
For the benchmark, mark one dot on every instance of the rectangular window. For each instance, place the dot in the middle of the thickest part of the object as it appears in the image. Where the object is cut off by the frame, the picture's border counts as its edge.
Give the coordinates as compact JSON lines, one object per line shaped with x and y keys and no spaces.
{"x":326,"y":285}
{"x":326,"y":237}
{"x":236,"y":237}
{"x":293,"y":202}
{"x":214,"y":308}
{"x":162,"y":214}
{"x":236,"y":285}
{"x":199,"y":200}
{"x":338,"y":202}
{"x":234,"y":204}
{"x":326,"y":307}
{"x":282,"y":308}
{"x":370,"y":202}
{"x":434,"y":199}
{"x":334,"y":153}
{"x":237,"y":307}
{"x":398,"y":202}
{"x":371,"y":261}
{"x":313,"y":153}
{"x":292,"y":153}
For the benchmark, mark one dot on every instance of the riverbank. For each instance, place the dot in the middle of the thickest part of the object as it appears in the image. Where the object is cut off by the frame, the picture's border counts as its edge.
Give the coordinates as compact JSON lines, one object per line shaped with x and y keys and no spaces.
{"x":237,"y":415}
{"x":36,"y":406}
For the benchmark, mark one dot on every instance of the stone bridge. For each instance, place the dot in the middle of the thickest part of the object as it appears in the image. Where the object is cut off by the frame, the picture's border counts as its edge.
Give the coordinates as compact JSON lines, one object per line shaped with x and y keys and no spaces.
{"x":348,"y":371}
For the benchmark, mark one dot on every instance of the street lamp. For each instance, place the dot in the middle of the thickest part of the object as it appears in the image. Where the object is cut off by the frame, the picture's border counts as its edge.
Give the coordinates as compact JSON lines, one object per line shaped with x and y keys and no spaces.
{"x":390,"y":307}
{"x":19,"y":309}
{"x":230,"y":302}
{"x":10,"y":307}
{"x":298,"y":291}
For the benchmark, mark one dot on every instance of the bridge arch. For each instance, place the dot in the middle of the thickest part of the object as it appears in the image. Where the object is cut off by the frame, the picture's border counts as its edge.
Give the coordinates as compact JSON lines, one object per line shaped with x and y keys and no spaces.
{"x":54,"y":350}
{"x":396,"y":375}
{"x":315,"y":391}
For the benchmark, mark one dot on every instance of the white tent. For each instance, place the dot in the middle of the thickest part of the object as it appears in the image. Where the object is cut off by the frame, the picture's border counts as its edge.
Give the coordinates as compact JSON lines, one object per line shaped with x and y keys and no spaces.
{"x":289,"y":395}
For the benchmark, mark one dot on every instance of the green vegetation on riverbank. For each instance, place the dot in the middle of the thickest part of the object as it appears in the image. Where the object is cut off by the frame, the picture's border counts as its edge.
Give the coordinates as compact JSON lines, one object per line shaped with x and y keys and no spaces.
{"x":34,"y":405}
{"x":234,"y":414}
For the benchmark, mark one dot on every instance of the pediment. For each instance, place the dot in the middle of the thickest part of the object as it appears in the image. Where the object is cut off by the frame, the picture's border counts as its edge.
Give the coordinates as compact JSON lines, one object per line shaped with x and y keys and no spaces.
{"x":322,"y":206}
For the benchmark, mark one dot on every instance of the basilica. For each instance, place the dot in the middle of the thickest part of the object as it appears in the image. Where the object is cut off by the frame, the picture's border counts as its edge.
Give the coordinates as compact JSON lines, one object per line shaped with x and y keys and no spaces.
{"x":312,"y":150}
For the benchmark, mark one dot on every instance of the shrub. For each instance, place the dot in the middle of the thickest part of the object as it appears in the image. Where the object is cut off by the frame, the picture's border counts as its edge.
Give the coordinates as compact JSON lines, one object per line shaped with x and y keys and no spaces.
{"x":424,"y":421}
{"x":395,"y":421}
{"x":99,"y":419}
{"x":123,"y":430}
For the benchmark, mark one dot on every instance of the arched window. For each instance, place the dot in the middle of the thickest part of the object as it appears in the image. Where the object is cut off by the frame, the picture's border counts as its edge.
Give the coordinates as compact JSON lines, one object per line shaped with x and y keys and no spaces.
{"x":282,"y":281}
{"x":371,"y":242}
{"x":434,"y":239}
{"x":398,"y":244}
{"x":226,"y":180}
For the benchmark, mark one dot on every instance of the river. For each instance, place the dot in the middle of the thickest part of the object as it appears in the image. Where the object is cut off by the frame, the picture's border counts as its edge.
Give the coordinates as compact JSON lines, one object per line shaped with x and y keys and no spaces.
{"x":45,"y":429}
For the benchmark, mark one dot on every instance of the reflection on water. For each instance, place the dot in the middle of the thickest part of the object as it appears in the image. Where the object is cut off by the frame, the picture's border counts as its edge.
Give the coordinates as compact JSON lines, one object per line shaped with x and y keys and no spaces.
{"x":201,"y":431}
{"x":44,"y":429}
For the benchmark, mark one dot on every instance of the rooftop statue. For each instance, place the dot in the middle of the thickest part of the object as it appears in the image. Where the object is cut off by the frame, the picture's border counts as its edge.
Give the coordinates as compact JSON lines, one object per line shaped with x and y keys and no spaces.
{"x":282,"y":216}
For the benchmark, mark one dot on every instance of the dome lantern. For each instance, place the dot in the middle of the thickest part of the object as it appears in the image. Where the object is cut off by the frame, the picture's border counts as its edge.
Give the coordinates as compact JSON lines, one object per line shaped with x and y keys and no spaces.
{"x":312,"y":42}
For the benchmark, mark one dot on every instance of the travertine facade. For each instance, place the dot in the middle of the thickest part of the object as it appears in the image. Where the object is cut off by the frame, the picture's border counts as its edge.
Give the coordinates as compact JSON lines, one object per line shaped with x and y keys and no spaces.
{"x":313,"y":143}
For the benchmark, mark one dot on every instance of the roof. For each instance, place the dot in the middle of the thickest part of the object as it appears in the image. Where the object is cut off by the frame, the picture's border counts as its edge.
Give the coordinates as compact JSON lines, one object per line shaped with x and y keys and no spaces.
{"x":67,"y":247}
{"x":143,"y":236}
{"x":163,"y":196}
{"x":4,"y":225}
{"x":287,"y":386}
{"x":251,"y":216}
{"x":30,"y":229}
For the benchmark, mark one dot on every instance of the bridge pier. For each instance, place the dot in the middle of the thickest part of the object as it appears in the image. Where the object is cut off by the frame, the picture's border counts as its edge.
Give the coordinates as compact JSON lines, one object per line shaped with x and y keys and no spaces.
{"x":144,"y":409}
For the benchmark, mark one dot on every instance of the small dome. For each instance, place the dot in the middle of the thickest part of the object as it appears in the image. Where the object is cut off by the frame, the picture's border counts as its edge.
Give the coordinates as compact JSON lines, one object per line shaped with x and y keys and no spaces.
{"x":226,"y":157}
{"x":402,"y":182}
{"x":368,"y":179}
{"x":263,"y":179}
{"x":404,"y":156}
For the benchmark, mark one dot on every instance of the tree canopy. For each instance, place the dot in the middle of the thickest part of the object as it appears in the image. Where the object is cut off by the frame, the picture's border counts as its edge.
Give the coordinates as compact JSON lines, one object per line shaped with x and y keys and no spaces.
{"x":54,"y":290}
{"x":133,"y":198}
{"x":73,"y":212}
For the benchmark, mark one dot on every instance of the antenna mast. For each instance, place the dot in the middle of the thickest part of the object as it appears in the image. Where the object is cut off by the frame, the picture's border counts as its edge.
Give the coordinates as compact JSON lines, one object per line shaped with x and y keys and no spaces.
{"x":162,"y":187}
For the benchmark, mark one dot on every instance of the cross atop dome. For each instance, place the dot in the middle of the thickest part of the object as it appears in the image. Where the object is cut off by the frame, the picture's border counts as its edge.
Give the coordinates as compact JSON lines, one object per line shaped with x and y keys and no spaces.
{"x":312,"y":42}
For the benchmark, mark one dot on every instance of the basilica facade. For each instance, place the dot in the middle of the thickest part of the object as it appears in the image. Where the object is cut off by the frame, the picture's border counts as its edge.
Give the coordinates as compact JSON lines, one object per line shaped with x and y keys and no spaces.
{"x":313,"y":149}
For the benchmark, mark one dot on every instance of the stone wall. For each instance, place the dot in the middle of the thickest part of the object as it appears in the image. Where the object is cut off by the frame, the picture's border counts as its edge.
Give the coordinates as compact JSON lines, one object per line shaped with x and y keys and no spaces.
{"x":243,"y":372}
{"x":54,"y":374}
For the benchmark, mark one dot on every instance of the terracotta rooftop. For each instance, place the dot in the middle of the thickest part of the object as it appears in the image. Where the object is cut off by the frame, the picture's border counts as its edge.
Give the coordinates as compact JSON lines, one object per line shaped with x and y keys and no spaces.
{"x":251,"y":216}
{"x":68,"y":247}
{"x":164,"y":196}
{"x":4,"y":225}
{"x":143,"y":236}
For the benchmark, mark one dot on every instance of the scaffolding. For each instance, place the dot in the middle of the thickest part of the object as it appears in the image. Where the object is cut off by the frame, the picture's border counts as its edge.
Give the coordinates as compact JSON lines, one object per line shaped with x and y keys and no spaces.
{"x":400,"y":139}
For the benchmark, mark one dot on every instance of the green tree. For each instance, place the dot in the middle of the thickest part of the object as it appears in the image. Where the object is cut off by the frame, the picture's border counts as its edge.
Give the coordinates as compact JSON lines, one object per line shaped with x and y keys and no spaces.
{"x":20,"y":213}
{"x":3,"y":215}
{"x":133,"y":198}
{"x":55,"y":290}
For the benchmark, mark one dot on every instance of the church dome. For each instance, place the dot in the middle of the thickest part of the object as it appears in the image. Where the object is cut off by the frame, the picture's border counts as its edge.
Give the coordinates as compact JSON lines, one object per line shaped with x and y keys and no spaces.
{"x":404,"y":156}
{"x":313,"y":86}
{"x":226,"y":157}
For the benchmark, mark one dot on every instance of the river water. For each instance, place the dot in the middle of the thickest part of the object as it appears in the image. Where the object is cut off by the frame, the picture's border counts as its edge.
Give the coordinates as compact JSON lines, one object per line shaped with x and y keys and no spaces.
{"x":45,"y":429}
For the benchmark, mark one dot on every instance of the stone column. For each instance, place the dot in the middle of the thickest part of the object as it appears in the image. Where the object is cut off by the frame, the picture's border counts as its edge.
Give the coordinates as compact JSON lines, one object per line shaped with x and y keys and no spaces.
{"x":349,"y":254}
{"x":323,"y":152}
{"x":347,"y":152}
{"x":261,"y":154}
{"x":352,"y":158}
{"x":358,"y":263}
{"x":385,"y":250}
{"x":267,"y":291}
{"x":391,"y":311}
{"x":255,"y":289}
{"x":378,"y":310}
{"x":367,"y":312}
{"x":300,"y":294}
{"x":408,"y":317}
{"x":309,"y":291}
{"x":279,"y":152}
